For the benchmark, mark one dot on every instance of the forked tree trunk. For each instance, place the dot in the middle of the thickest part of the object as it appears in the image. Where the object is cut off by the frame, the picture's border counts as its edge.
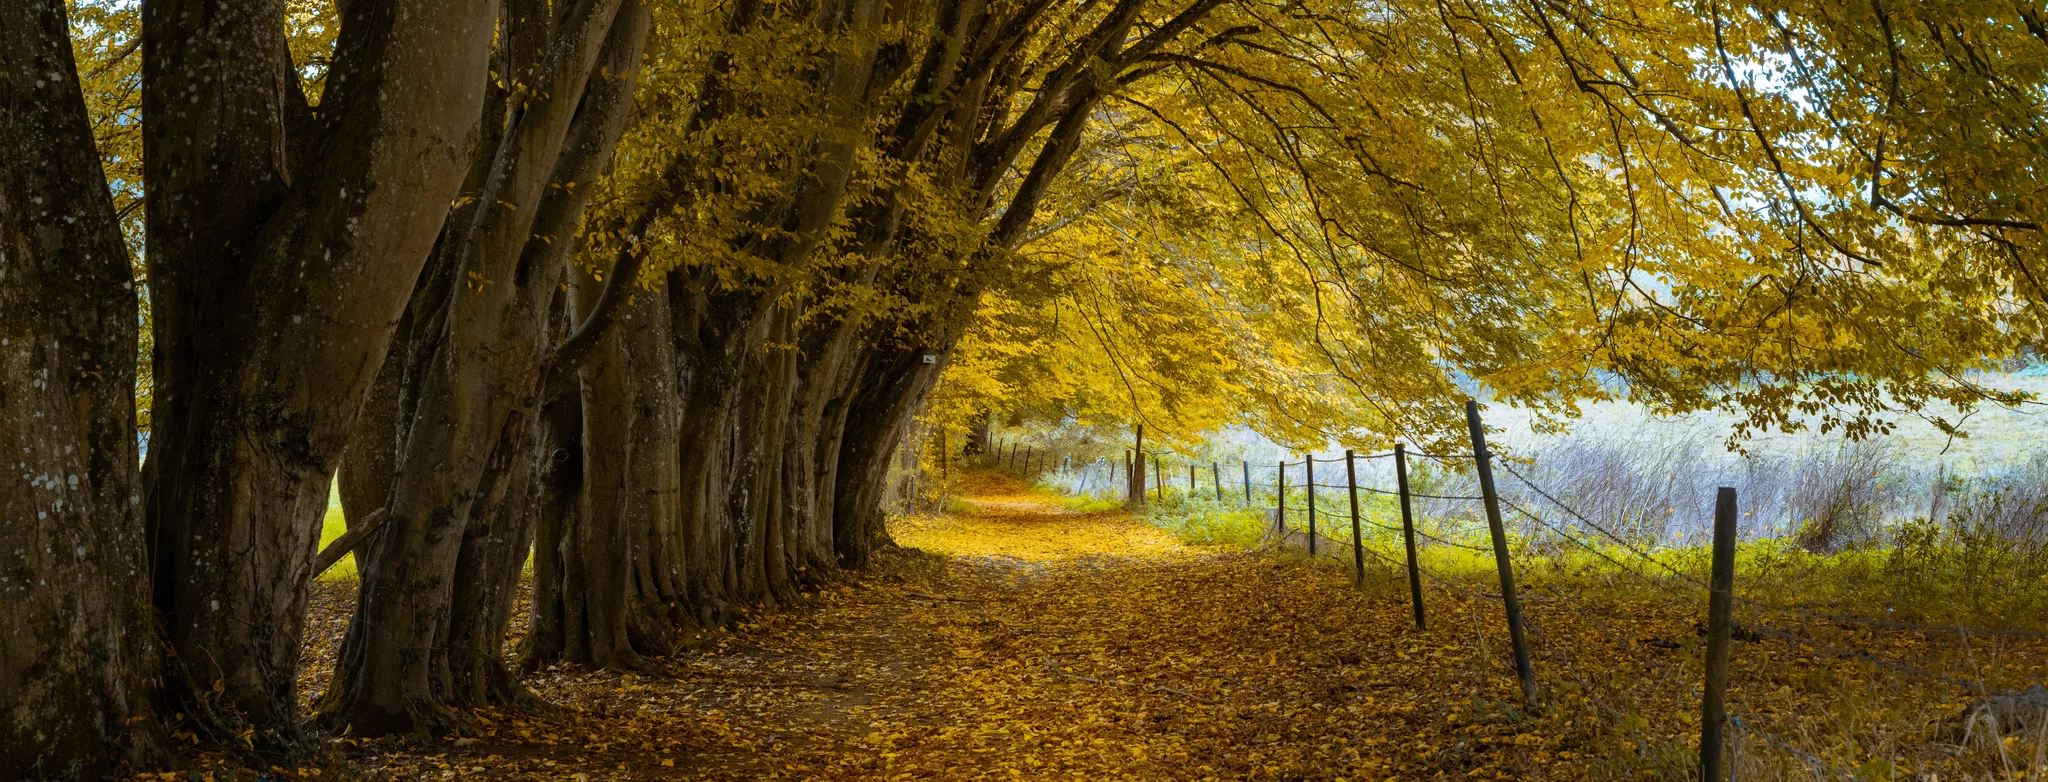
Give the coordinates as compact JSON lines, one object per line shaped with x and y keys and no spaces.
{"x":282,"y":247}
{"x":811,"y":457}
{"x":448,"y":535}
{"x":78,"y":652}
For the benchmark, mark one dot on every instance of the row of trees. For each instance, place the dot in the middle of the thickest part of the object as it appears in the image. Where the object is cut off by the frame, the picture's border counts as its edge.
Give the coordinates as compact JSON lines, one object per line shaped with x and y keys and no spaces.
{"x":647,"y":287}
{"x":381,"y":239}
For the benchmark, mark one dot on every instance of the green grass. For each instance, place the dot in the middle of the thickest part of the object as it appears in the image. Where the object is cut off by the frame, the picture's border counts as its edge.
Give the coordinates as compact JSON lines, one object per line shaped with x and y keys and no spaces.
{"x":331,"y":527}
{"x":1089,"y":504}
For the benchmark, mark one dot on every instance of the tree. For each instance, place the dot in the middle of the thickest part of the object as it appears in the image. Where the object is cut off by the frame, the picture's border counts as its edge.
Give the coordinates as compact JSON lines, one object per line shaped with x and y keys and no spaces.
{"x":652,"y":288}
{"x":283,"y":242}
{"x":1560,"y":202}
{"x":79,"y":666}
{"x":473,"y":369}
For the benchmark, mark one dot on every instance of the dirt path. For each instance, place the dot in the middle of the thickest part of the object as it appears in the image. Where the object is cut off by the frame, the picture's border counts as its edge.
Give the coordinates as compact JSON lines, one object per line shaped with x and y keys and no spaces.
{"x":1020,"y":640}
{"x":1023,"y":641}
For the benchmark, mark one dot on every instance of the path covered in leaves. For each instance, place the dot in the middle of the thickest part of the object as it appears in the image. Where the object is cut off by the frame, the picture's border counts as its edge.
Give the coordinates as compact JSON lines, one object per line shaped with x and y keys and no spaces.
{"x":1024,"y":641}
{"x":1020,"y":640}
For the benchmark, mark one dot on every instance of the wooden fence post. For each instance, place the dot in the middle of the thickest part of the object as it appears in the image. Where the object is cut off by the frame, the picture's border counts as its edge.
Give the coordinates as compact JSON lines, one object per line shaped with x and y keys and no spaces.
{"x":1713,"y":704}
{"x":1408,"y":533}
{"x":1137,"y":468}
{"x":1216,"y":477}
{"x":1161,"y":472}
{"x":1280,"y":499}
{"x":1246,"y":465}
{"x":1309,"y":463}
{"x":1357,"y":540}
{"x":1191,"y":479}
{"x":1483,"y":460}
{"x":1127,"y":475}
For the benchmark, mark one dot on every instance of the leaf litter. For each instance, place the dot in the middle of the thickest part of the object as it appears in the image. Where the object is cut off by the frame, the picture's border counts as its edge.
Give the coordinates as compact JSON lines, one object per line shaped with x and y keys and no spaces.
{"x":1023,"y":640}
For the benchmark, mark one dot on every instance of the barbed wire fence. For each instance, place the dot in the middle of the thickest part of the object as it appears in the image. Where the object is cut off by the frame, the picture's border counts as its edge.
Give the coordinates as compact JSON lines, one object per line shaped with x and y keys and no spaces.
{"x":1550,"y":532}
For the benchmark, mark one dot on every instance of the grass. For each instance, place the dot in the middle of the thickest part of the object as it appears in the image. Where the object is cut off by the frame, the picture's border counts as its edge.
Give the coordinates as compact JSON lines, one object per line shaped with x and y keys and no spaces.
{"x":1197,"y":520}
{"x":1615,"y":636}
{"x":331,"y":527}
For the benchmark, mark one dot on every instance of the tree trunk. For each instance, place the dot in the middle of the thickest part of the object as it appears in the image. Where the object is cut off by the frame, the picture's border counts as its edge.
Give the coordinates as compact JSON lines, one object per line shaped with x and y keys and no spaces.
{"x":78,"y":652}
{"x":892,"y":389}
{"x":978,"y":432}
{"x":282,"y":248}
{"x":613,"y":591}
{"x":558,"y":489}
{"x":601,"y":546}
{"x":447,"y":532}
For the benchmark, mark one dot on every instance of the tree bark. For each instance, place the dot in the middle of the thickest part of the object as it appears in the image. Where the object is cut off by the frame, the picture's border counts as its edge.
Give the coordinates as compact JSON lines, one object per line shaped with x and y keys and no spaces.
{"x":78,"y":652}
{"x":282,"y":247}
{"x":449,"y":531}
{"x":892,"y":389}
{"x":557,"y":508}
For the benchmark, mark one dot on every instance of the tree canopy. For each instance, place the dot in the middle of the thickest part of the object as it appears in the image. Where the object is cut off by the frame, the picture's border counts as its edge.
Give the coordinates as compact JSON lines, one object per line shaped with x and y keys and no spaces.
{"x":656,"y":290}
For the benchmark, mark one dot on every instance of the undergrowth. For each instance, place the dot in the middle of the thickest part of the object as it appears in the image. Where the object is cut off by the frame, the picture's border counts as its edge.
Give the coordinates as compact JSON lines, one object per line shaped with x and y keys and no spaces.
{"x":1862,"y":654}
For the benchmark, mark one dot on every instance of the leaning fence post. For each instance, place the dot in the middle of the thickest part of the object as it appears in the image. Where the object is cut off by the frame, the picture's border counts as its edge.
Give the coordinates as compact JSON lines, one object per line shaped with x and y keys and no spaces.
{"x":1483,"y":460}
{"x":1408,"y":533}
{"x":1246,"y":465}
{"x":1713,"y":705}
{"x":1357,"y":540}
{"x":1280,"y":499}
{"x":1309,"y":464}
{"x":1216,"y":477}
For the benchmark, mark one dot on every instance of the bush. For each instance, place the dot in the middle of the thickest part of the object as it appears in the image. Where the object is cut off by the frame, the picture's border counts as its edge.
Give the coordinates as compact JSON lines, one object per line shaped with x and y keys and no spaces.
{"x":1838,"y":498}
